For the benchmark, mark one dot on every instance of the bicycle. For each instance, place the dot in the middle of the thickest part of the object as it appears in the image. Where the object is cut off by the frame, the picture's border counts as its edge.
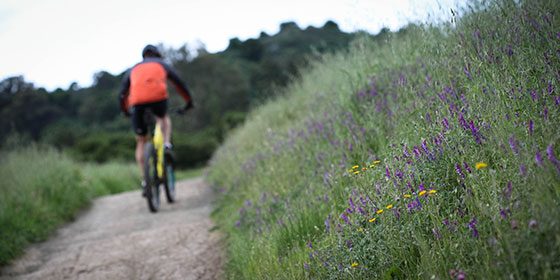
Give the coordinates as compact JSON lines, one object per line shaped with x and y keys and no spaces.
{"x":158,"y":167}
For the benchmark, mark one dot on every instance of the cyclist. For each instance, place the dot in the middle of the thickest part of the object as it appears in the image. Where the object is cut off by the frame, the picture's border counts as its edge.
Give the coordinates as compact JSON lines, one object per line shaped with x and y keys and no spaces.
{"x":144,"y":86}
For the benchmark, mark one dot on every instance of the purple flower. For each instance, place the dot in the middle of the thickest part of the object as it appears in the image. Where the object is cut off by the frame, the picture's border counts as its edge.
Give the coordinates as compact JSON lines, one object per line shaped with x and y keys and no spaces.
{"x":467,"y":166}
{"x":361,"y":211}
{"x":248,"y":203}
{"x":523,"y":171}
{"x":349,"y":244}
{"x":237,"y":224}
{"x":533,"y":223}
{"x":387,"y":172}
{"x":436,"y":233}
{"x":281,"y":222}
{"x":340,"y":228}
{"x":472,"y":225}
{"x":352,"y":204}
{"x":326,"y":264}
{"x":396,"y":213}
{"x":306,"y":266}
{"x":550,"y":152}
{"x":531,"y":127}
{"x":512,"y":144}
{"x":328,"y":223}
{"x":458,"y":169}
{"x":345,"y":219}
{"x":514,"y":225}
{"x":538,"y":158}
{"x":280,"y":260}
{"x":467,"y":74}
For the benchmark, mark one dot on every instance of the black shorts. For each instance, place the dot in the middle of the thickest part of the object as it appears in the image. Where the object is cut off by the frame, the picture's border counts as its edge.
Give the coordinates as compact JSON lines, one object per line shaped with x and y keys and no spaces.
{"x":140,"y":118}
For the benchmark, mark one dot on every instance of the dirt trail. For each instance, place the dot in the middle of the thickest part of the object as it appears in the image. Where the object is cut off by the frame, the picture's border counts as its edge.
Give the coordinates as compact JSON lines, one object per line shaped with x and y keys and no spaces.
{"x":118,"y":238}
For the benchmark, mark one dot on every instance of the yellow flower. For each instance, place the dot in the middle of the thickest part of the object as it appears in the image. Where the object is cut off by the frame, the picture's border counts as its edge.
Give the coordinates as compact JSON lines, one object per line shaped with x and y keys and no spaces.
{"x":389,"y":207}
{"x":364,"y":168}
{"x":360,"y":229}
{"x":372,"y":166}
{"x":351,"y":170}
{"x":376,"y":162}
{"x":356,"y":172}
{"x":354,"y":264}
{"x":407,"y":195}
{"x":480,"y":165}
{"x":355,"y":166}
{"x":379,"y":211}
{"x":422,"y":193}
{"x":432,"y":191}
{"x":372,"y":220}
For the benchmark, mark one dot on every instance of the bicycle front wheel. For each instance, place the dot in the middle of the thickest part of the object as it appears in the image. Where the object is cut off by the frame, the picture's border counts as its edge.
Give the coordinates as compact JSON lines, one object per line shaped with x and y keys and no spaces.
{"x":169,"y":179}
{"x":150,"y":176}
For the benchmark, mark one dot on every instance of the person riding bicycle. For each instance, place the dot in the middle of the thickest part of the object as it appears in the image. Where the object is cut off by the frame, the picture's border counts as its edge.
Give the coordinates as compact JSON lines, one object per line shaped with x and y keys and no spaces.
{"x":144,"y":86}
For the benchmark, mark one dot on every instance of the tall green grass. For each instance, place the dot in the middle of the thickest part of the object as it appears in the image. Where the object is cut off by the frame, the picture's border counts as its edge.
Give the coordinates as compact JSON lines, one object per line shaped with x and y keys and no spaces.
{"x":428,"y":104}
{"x":42,"y":188}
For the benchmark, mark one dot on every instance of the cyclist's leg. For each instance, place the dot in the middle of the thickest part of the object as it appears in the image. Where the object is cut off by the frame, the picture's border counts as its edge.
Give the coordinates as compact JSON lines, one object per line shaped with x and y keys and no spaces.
{"x":160,"y":111}
{"x":141,"y":131}
{"x":165,"y":124}
{"x":141,"y":141}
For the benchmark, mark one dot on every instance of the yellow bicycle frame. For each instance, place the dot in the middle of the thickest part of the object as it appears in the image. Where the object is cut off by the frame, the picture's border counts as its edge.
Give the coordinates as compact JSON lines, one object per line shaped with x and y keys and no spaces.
{"x":158,"y":145}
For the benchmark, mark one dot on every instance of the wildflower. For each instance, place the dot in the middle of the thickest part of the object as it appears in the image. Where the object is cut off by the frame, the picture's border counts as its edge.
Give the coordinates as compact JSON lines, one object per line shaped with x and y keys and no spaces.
{"x":355,"y":166}
{"x":360,"y":229}
{"x":422,"y":193}
{"x":467,"y":166}
{"x":364,"y":168}
{"x":396,"y":213}
{"x":349,"y":244}
{"x":533,"y":223}
{"x":432,"y":191}
{"x":377,"y":162}
{"x":461,"y":276}
{"x":280,"y":260}
{"x":512,"y":144}
{"x":340,"y":228}
{"x":372,"y":166}
{"x":306,"y":267}
{"x":354,"y":264}
{"x":514,"y":225}
{"x":436,"y":233}
{"x":326,"y":264}
{"x":453,"y":272}
{"x":357,"y":172}
{"x":379,"y":211}
{"x":237,"y":224}
{"x":523,"y":170}
{"x":458,"y":169}
{"x":538,"y":158}
{"x":387,"y":172}
{"x":345,"y":218}
{"x":407,"y":195}
{"x":480,"y":165}
{"x":351,"y":170}
{"x":328,"y":223}
{"x":372,"y":220}
{"x":389,"y":207}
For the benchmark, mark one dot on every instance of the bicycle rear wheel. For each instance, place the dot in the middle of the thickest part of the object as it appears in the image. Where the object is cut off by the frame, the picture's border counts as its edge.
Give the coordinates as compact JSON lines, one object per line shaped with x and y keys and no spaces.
{"x":150,"y":176}
{"x":169,"y":179}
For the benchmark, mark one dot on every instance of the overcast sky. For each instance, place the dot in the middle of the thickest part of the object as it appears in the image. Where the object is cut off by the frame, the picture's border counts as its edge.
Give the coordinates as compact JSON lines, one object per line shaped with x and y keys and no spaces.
{"x":53,"y":43}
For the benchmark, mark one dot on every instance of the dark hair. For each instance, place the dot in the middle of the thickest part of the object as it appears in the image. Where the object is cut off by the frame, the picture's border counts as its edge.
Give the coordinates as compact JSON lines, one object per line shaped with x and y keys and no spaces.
{"x":150,"y":50}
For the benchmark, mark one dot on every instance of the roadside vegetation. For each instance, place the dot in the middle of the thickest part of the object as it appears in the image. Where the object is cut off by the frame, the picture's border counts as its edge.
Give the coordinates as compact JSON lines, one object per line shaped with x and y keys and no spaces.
{"x":42,"y":188}
{"x":432,"y":153}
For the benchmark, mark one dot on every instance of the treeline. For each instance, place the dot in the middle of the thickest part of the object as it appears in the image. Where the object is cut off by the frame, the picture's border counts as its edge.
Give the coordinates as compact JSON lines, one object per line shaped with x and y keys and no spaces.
{"x":87,"y":121}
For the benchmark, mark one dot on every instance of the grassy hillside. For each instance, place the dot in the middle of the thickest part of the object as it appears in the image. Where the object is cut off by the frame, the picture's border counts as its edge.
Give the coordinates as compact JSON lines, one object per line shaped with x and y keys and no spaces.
{"x":434,"y":153}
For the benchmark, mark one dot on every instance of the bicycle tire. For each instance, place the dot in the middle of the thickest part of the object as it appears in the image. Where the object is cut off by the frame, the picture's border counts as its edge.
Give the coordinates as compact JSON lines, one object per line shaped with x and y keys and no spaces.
{"x":169,"y":179}
{"x":150,"y":176}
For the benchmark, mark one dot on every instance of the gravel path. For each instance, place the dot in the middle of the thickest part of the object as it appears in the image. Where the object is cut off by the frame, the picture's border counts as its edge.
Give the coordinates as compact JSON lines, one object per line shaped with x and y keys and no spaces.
{"x":118,"y":238}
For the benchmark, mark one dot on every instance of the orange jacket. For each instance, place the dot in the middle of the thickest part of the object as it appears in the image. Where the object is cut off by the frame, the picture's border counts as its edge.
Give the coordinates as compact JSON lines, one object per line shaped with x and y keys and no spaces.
{"x":146,"y":83}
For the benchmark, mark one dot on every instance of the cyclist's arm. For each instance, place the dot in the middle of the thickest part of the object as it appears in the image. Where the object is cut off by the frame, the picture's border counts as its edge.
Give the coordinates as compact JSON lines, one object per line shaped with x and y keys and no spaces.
{"x":123,"y":94}
{"x":179,"y":84}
